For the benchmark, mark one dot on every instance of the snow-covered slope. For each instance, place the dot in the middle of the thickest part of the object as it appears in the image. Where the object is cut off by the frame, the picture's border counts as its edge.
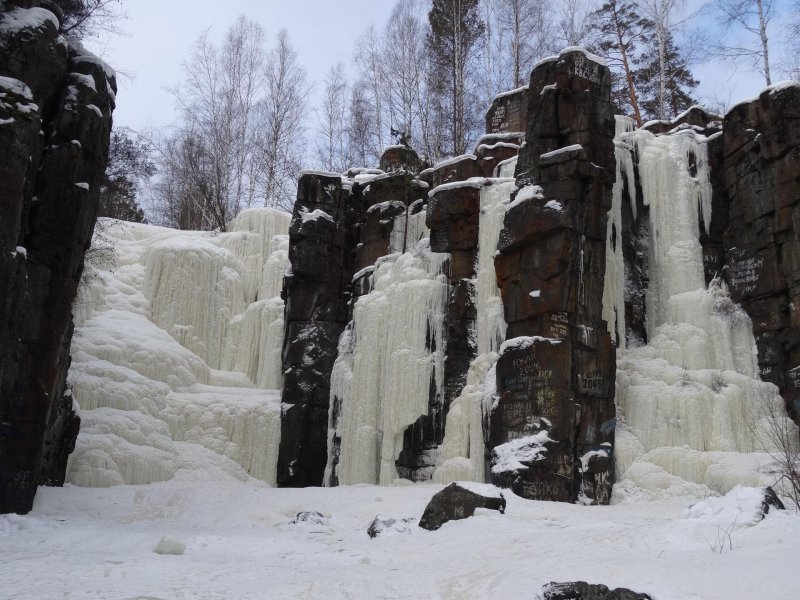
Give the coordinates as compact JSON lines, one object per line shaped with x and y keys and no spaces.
{"x":176,"y":357}
{"x":239,"y":544}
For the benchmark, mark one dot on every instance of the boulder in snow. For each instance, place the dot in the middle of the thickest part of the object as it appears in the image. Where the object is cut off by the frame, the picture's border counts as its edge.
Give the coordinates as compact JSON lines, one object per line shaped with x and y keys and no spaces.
{"x":310,"y":517}
{"x":459,"y":501}
{"x":580,"y":590}
{"x":383,"y":525}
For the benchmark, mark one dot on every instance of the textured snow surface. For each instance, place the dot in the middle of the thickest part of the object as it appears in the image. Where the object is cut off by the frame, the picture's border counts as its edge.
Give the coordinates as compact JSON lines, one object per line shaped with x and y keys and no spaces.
{"x":693,"y":409}
{"x":239,"y":544}
{"x":176,"y":356}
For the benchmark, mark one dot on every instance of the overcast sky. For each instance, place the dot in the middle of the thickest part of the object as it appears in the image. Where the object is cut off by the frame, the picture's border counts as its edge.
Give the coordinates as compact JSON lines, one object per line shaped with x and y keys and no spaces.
{"x":158,"y":36}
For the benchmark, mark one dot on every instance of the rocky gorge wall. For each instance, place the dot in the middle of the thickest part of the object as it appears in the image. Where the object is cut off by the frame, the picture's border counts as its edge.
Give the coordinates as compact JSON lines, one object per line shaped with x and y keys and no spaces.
{"x":56,"y":102}
{"x":395,"y":282}
{"x":493,"y":317}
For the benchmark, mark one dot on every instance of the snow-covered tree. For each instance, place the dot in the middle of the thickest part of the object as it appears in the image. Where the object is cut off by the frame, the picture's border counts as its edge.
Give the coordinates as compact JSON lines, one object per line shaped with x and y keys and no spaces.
{"x":571,"y":23}
{"x":521,"y":25}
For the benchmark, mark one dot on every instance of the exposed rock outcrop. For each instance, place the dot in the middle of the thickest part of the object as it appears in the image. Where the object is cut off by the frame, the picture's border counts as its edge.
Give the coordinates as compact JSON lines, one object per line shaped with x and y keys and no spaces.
{"x":758,"y":188}
{"x":322,"y":238}
{"x":580,"y":590}
{"x":552,"y":429}
{"x":56,"y":102}
{"x":459,"y":500}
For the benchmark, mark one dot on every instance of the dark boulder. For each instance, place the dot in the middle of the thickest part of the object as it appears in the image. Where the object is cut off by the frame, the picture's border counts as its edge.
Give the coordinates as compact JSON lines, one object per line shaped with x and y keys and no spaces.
{"x":459,"y":501}
{"x":580,"y":590}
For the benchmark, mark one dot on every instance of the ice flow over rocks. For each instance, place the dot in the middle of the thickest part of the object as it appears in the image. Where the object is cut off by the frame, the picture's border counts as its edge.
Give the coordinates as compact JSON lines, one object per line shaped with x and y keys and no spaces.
{"x":176,"y":357}
{"x":692,"y":407}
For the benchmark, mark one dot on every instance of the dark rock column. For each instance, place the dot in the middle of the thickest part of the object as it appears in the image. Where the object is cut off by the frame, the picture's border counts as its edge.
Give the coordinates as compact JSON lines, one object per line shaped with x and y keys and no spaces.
{"x":48,"y":208}
{"x":322,"y":237}
{"x":760,"y":156}
{"x":553,"y":426}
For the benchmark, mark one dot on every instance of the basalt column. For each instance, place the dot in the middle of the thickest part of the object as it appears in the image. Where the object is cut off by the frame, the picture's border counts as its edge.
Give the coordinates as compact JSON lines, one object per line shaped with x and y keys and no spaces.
{"x":317,"y":290}
{"x":761,"y":183}
{"x":552,"y":425}
{"x":55,"y":118}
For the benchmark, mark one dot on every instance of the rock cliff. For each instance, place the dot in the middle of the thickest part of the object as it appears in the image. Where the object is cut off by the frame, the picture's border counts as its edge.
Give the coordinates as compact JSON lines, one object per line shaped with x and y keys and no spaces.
{"x":56,"y":101}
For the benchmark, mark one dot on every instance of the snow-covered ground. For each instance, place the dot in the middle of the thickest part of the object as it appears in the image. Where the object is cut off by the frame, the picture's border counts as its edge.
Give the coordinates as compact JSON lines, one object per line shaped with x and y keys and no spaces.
{"x":239,"y":543}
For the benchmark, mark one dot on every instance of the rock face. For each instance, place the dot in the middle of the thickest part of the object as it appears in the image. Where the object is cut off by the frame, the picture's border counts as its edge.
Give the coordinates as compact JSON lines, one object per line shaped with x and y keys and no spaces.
{"x":459,"y":501}
{"x":55,"y":119}
{"x":756,"y":228}
{"x":580,"y":590}
{"x":552,"y":429}
{"x":508,"y":112}
{"x":322,"y":238}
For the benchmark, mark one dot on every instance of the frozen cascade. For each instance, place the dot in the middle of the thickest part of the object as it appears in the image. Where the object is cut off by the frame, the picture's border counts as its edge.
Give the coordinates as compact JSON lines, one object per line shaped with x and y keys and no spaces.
{"x":614,"y":289}
{"x":461,"y":455}
{"x":385,"y":366}
{"x":154,"y":408}
{"x":691,"y":405}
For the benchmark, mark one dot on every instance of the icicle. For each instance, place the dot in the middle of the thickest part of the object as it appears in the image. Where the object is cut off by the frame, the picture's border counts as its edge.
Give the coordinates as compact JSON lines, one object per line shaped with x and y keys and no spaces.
{"x":392,"y":364}
{"x":461,"y":455}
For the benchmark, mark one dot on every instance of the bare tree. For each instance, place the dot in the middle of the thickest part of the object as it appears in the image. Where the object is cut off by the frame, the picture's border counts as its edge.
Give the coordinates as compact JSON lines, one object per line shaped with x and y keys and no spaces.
{"x":369,"y":62}
{"x":404,"y":64}
{"x":280,"y":131}
{"x":332,"y":152}
{"x":361,"y":128}
{"x":753,"y":17}
{"x":217,"y":100}
{"x":454,"y":38}
{"x":521,"y":24}
{"x":572,"y":19}
{"x":86,"y":17}
{"x":661,"y":14}
{"x":793,"y":34}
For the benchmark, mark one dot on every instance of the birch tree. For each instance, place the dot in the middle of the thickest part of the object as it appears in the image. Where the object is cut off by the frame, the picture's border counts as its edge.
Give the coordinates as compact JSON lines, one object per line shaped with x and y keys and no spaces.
{"x":661,"y":13}
{"x":372,"y":75}
{"x":332,"y":152}
{"x":216,"y":101}
{"x":751,"y":17}
{"x":281,"y":125}
{"x":522,"y":26}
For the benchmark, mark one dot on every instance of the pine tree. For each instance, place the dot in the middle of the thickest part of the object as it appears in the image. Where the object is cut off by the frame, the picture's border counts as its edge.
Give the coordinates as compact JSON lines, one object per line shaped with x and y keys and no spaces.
{"x":129,"y":163}
{"x":619,"y":27}
{"x":678,"y":81}
{"x":456,"y":31}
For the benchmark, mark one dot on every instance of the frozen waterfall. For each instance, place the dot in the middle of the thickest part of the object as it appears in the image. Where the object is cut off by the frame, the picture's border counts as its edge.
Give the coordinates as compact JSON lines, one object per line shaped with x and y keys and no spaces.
{"x":691,"y":406}
{"x":176,"y":356}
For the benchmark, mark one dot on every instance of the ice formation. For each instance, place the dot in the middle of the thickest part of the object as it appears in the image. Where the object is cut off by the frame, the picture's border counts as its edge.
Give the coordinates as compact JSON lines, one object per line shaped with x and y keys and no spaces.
{"x":176,"y":357}
{"x":461,"y":455}
{"x":692,"y":407}
{"x":388,"y":357}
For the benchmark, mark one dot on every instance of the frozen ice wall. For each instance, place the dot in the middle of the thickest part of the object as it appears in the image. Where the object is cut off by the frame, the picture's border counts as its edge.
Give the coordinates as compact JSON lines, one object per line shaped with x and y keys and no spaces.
{"x":176,"y":357}
{"x":461,"y":455}
{"x":692,"y":409}
{"x":389,"y":357}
